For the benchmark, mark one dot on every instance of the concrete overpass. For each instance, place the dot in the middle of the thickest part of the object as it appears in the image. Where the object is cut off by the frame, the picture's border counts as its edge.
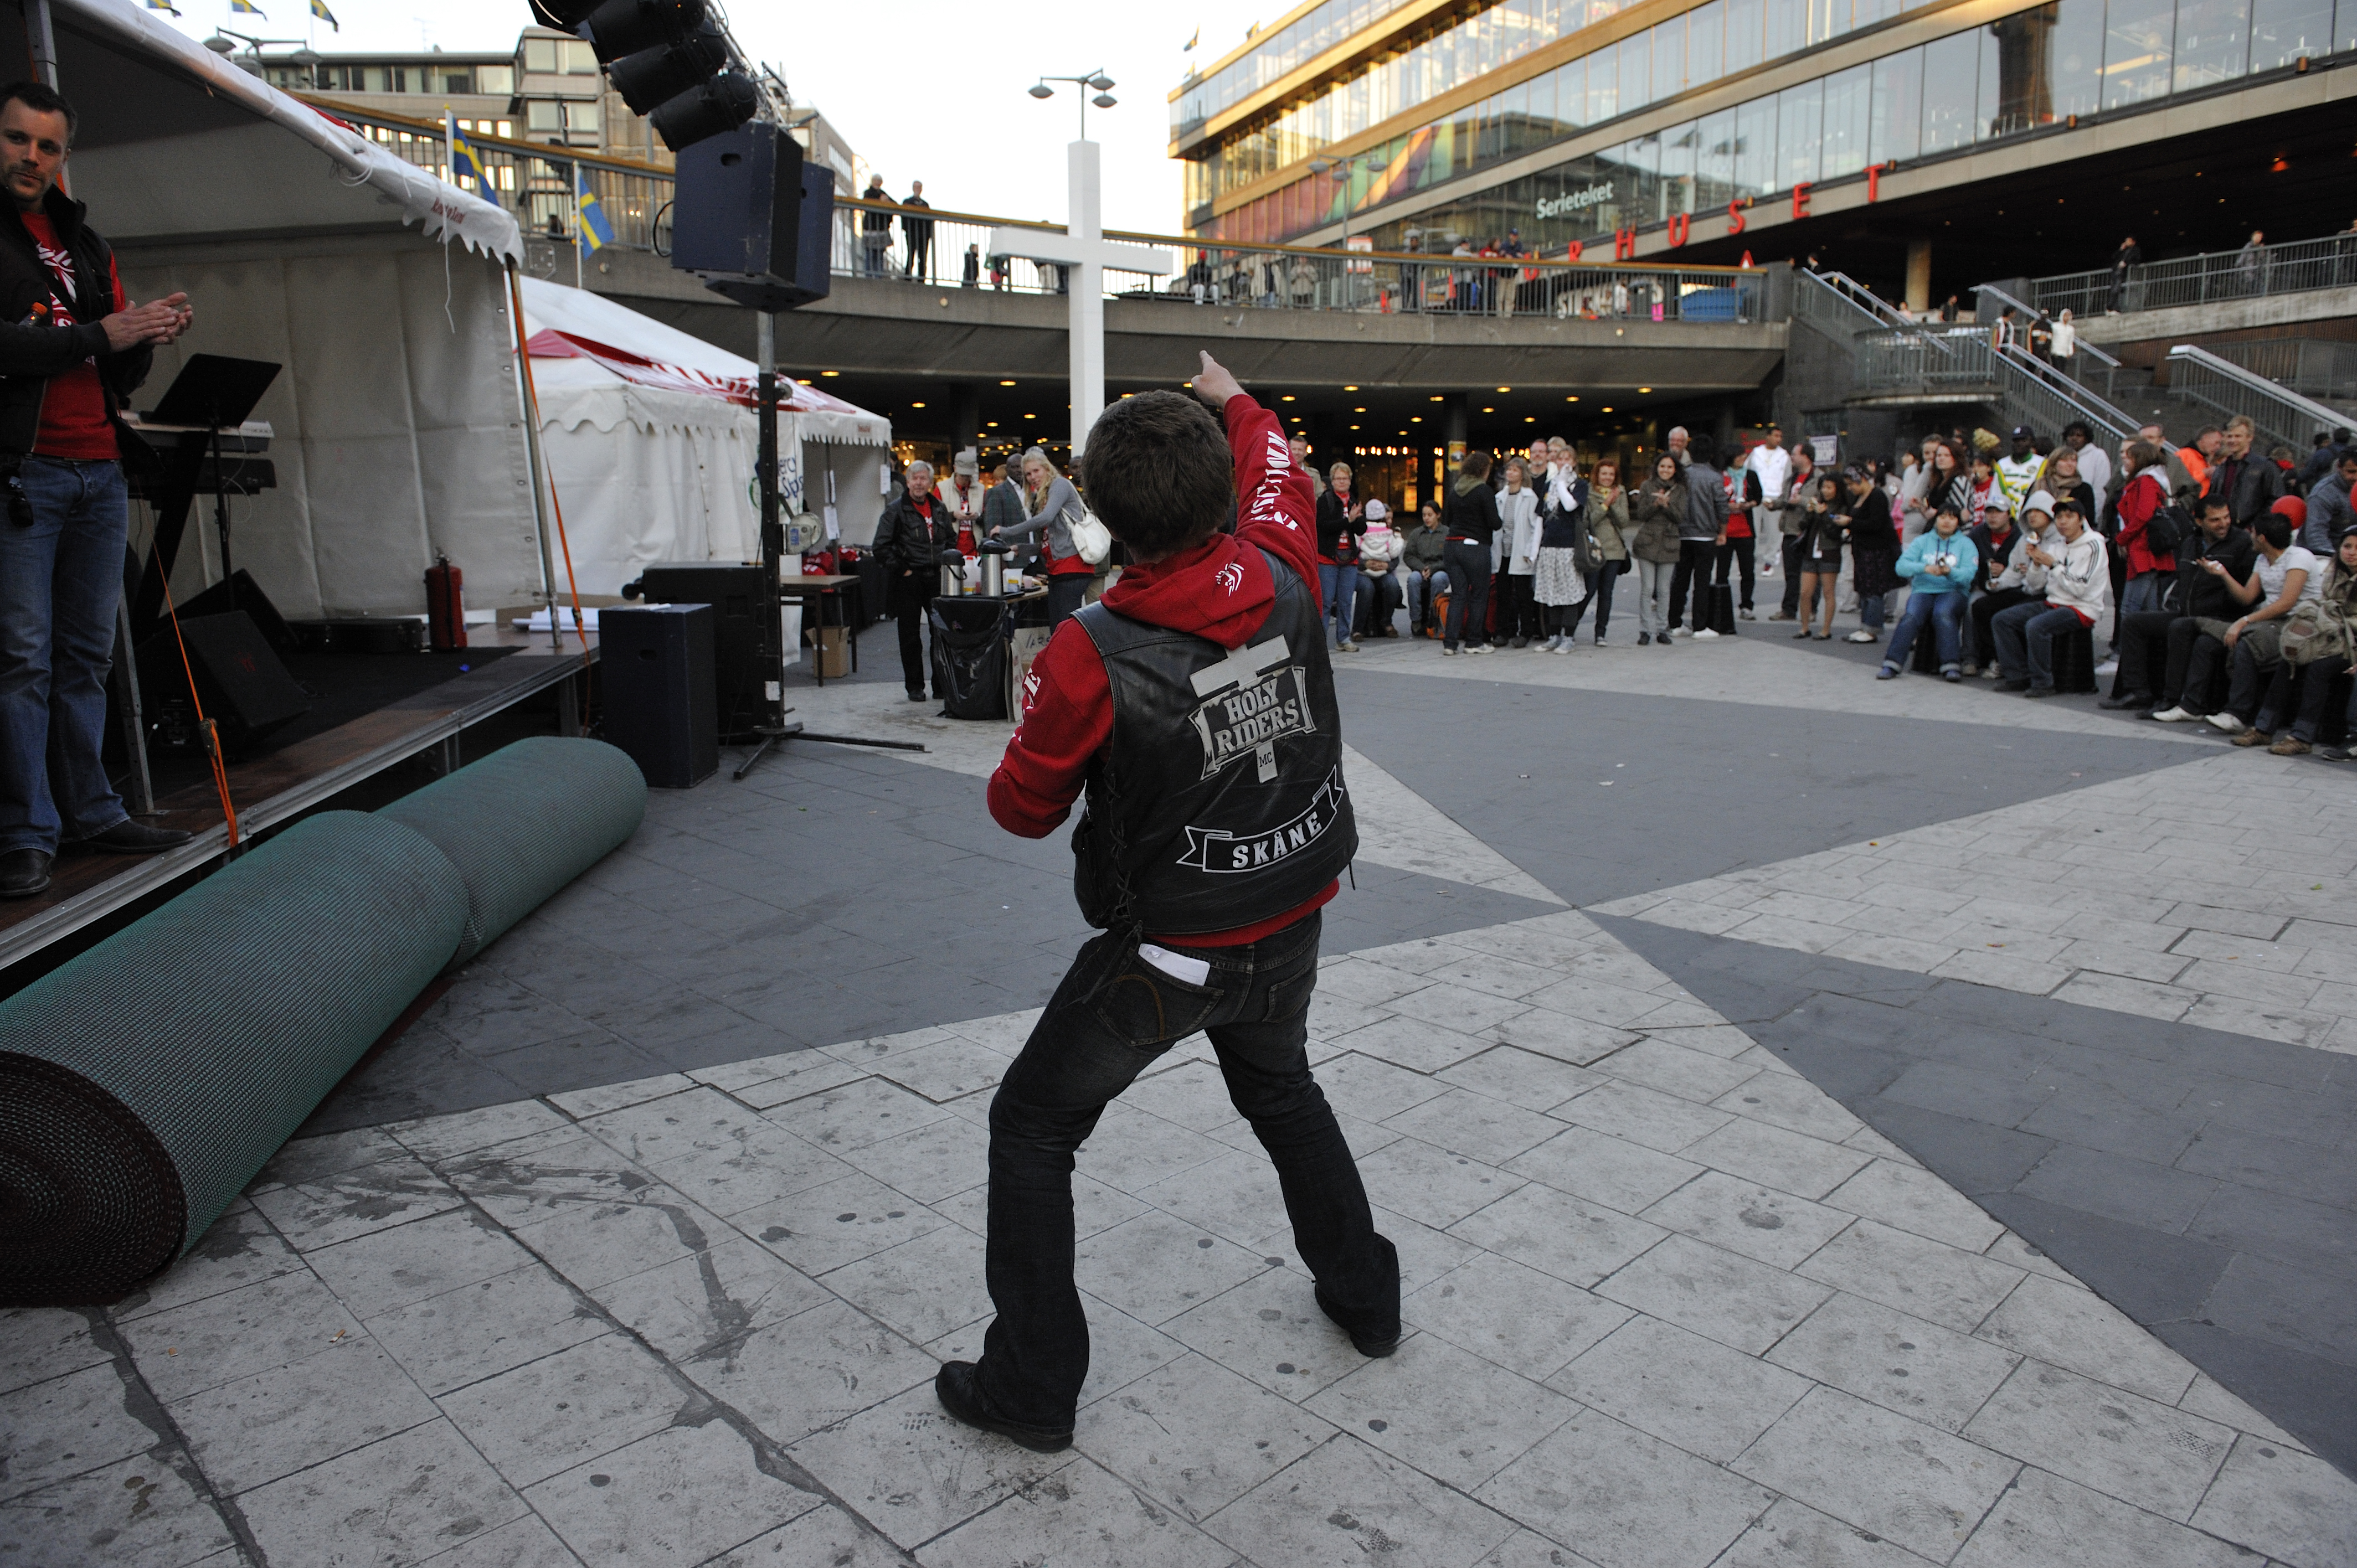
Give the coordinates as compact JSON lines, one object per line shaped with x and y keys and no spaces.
{"x":935,"y":358}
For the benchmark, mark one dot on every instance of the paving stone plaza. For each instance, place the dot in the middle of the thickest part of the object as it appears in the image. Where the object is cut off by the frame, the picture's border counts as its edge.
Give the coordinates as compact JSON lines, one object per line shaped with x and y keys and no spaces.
{"x":1823,"y":1123}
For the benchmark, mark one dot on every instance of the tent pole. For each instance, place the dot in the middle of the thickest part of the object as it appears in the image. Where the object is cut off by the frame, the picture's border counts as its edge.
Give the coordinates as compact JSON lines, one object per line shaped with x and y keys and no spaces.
{"x":44,"y":42}
{"x":532,"y":449}
{"x":773,"y":534}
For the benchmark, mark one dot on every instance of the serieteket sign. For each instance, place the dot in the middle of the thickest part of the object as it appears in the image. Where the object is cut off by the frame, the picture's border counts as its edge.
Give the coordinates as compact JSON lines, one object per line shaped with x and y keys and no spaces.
{"x":1573,"y":201}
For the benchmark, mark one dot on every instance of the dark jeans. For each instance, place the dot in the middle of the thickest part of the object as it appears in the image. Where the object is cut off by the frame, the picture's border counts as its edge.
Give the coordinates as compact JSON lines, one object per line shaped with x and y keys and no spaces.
{"x":1792,"y":548}
{"x":1380,"y":596}
{"x":1694,"y":570}
{"x":1065,"y":592}
{"x":2315,"y":696}
{"x":1114,"y":1014}
{"x":1518,"y":610}
{"x":2025,"y":641}
{"x":2192,"y":671}
{"x":1468,"y":597}
{"x":2247,"y":678}
{"x":1945,"y":613}
{"x":2141,"y":640}
{"x":1737,"y":551}
{"x":1985,"y":612}
{"x":61,"y":584}
{"x":1565,"y":619}
{"x":909,"y":607}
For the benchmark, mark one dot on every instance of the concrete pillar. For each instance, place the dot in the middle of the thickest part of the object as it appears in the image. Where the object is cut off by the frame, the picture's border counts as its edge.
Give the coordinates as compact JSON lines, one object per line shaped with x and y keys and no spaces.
{"x":1919,"y":275}
{"x":1452,"y":423}
{"x":965,"y":415}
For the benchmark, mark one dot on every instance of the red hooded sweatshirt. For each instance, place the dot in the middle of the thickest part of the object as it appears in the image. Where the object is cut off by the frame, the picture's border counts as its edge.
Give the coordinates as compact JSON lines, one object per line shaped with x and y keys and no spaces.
{"x":1221,"y":589}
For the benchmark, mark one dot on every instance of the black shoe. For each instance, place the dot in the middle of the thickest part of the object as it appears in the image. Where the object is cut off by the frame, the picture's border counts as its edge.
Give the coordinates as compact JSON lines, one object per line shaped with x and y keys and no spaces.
{"x":916,"y":697}
{"x":958,"y":1385}
{"x":2038,"y":691}
{"x":1644,"y":639}
{"x":2013,"y":685}
{"x":23,"y":872}
{"x":129,"y":837}
{"x":1377,"y":1343}
{"x":2131,"y":699}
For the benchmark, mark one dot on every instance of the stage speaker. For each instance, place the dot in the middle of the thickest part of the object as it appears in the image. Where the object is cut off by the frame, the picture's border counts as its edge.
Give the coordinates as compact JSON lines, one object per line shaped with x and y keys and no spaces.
{"x":245,"y":688}
{"x":753,"y":220}
{"x":657,"y":668}
{"x":734,"y":593}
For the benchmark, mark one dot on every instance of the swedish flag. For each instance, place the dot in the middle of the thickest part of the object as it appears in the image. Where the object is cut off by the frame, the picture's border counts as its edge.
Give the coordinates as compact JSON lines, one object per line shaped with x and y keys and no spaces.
{"x":465,"y":166}
{"x":597,"y":234}
{"x":162,"y":5}
{"x":248,"y":8}
{"x":319,"y":9}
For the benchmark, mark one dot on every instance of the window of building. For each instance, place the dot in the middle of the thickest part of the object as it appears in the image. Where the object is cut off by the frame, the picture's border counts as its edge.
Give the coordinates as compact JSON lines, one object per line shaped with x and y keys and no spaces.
{"x":461,"y":81}
{"x":1669,"y":51}
{"x":1800,"y":126}
{"x":2137,"y":39}
{"x":579,"y":59}
{"x":2067,"y":41}
{"x":543,"y":115}
{"x":2285,"y":30}
{"x":1705,"y":43}
{"x":1952,"y":79}
{"x":539,"y":55}
{"x":1850,"y":104}
{"x":582,"y":116}
{"x":495,"y":78}
{"x":2213,"y":42}
{"x":1897,"y":132}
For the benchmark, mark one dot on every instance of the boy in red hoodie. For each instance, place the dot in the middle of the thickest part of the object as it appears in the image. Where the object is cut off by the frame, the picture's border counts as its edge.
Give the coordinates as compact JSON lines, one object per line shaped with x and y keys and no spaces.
{"x":1195,"y":707}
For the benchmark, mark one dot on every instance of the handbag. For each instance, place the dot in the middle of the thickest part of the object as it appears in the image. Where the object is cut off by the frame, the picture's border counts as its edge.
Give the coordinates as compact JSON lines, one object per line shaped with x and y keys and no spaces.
{"x":2315,"y":629}
{"x":1091,"y":540}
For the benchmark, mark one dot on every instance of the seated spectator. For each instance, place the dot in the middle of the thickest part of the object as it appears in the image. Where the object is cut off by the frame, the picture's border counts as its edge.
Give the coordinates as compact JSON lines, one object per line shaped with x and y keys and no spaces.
{"x":2065,"y":476}
{"x":2329,"y":515}
{"x":1939,"y":566}
{"x":2007,"y":576}
{"x":2078,"y":593}
{"x":2286,"y":576}
{"x":1379,"y":583}
{"x":2142,"y":496}
{"x":2248,"y":479}
{"x":1986,"y":486}
{"x":2324,"y":661}
{"x":2169,"y":657}
{"x":1420,"y":574}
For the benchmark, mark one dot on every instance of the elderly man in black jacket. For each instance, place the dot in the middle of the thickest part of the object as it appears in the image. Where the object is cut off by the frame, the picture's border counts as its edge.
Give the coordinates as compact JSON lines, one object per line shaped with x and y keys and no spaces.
{"x":73,"y":349}
{"x":2169,"y":653}
{"x":909,"y":537}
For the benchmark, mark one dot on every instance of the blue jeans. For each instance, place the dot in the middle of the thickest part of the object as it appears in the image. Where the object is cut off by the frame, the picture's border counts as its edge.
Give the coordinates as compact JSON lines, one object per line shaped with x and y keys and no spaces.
{"x":1873,"y":609}
{"x":2025,"y":640}
{"x":1112,"y":1016}
{"x":2142,"y":592}
{"x":1421,"y":591}
{"x":61,"y":584}
{"x":1339,"y":586}
{"x":1946,"y":612}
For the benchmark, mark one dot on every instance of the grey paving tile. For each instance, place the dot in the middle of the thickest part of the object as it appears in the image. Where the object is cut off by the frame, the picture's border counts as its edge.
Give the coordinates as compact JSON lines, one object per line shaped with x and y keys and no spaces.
{"x":1193,"y":1094}
{"x":1345,"y":1502}
{"x":2293,"y":1507}
{"x":1872,"y":1467}
{"x":403,"y":1499}
{"x":238,"y":1248}
{"x":1454,"y":1416}
{"x":337,"y":1207}
{"x":2120,"y":1443}
{"x":583,"y":1103}
{"x":1715,"y":1292}
{"x":1235,"y":1197}
{"x":1791,"y":1535}
{"x":1416,"y":1044}
{"x":824,"y":1228}
{"x":912,"y":1471}
{"x":2314,"y":1236}
{"x":310,"y":1159}
{"x":38,"y":1343}
{"x":1911,"y":1198}
{"x":1744,"y":1216}
{"x":53,"y":1430}
{"x":273,"y":1423}
{"x":526,"y":1542}
{"x":1681,"y":1388}
{"x":700,"y":1306}
{"x":1605,"y":1169}
{"x":1790,"y":1102}
{"x":597,"y":1242}
{"x":1194,"y":1436}
{"x":1520,"y":1077}
{"x":1461,"y":1122}
{"x":683,"y":1495}
{"x":2152,"y":1276}
{"x":1645,"y":1116}
{"x":2078,"y":1330}
{"x":1627,"y":1500}
{"x":1529,"y":1548}
{"x":434,"y":1139}
{"x":1789,"y":1162}
{"x":922,"y":1289}
{"x":2043,"y":1521}
{"x":825,"y":1535}
{"x":1544,"y":1032}
{"x":1455,"y":1008}
{"x":2137,"y":1191}
{"x":2319,"y":1173}
{"x":2210,"y":1399}
{"x":135,"y":1513}
{"x":478,"y":1330}
{"x":723,"y":1158}
{"x":812,"y":1370}
{"x":928,"y":1164}
{"x":1906,"y":1364}
{"x":1432,"y":1184}
{"x":1156,"y":1266}
{"x":548,"y":1415}
{"x":1424,"y":1253}
{"x":1917,"y":1275}
{"x":854,"y":1113}
{"x":1973,"y":1093}
{"x":1130,"y":1150}
{"x":1698,"y":1076}
{"x":1557,"y":1234}
{"x":1081,"y":1510}
{"x":385,"y":1269}
{"x":1503,"y":1312}
{"x":1269,"y":1331}
{"x":187,"y":1349}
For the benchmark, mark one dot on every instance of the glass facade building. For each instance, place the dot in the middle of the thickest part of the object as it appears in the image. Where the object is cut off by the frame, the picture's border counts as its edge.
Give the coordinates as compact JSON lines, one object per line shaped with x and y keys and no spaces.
{"x":1986,"y":80}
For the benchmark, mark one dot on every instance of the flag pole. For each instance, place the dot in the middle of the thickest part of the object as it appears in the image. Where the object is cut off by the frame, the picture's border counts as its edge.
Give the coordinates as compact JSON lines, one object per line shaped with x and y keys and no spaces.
{"x":580,"y":228}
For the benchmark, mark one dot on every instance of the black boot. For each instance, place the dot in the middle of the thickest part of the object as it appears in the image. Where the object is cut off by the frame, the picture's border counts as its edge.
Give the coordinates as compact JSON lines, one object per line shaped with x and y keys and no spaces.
{"x":129,"y":837}
{"x":23,"y":872}
{"x":958,"y":1385}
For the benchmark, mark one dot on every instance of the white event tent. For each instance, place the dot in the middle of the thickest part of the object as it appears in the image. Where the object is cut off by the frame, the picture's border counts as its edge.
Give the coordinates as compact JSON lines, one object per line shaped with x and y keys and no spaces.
{"x":650,"y":436}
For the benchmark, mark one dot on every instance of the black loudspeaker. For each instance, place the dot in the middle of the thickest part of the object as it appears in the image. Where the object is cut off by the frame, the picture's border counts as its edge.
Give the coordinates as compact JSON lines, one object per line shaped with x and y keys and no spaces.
{"x":241,"y":591}
{"x":245,"y":687}
{"x":656,"y":664}
{"x":736,"y":595}
{"x":753,"y":220}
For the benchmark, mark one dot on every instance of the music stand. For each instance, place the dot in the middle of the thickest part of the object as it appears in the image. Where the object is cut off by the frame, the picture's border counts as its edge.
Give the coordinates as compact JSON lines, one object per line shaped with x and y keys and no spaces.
{"x":214,"y":391}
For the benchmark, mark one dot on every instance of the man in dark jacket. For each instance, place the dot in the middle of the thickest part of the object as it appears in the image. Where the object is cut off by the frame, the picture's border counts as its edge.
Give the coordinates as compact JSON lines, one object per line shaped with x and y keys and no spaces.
{"x":2166,"y":653}
{"x":1471,"y":516}
{"x":2248,"y":479}
{"x":909,"y":537}
{"x":73,"y":349}
{"x":917,"y":231}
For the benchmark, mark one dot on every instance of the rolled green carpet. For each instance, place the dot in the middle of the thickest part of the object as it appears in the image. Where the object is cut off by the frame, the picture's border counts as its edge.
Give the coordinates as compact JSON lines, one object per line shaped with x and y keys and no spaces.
{"x":524,"y":822}
{"x":144,"y":1083}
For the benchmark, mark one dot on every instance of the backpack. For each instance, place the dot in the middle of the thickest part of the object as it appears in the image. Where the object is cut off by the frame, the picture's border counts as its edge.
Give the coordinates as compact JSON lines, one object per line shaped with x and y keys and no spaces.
{"x":2171,"y":526}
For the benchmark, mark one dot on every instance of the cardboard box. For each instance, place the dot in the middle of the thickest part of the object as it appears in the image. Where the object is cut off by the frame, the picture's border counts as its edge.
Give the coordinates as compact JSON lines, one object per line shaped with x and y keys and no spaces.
{"x":833,"y":651}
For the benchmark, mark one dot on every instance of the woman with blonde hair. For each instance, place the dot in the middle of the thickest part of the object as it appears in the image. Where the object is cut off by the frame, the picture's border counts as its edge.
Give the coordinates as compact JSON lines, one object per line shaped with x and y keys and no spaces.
{"x":1053,"y":505}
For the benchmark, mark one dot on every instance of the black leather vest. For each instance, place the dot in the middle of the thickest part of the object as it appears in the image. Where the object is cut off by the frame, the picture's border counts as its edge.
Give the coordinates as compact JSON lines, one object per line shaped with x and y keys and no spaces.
{"x":1219,"y":801}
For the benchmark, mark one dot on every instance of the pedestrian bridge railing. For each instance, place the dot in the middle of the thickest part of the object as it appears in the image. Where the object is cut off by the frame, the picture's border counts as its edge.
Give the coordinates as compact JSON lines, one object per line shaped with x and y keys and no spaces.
{"x":2324,"y":372}
{"x":2211,"y":278}
{"x":1965,"y":364}
{"x":2284,"y":417}
{"x":933,"y":247}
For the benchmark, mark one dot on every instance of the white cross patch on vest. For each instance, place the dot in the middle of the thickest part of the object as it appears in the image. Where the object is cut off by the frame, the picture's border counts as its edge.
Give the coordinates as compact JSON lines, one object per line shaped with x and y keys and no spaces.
{"x":1256,"y":696}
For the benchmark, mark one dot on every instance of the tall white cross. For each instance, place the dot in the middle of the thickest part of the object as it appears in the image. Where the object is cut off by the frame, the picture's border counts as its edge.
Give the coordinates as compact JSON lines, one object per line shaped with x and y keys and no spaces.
{"x":1082,"y":247}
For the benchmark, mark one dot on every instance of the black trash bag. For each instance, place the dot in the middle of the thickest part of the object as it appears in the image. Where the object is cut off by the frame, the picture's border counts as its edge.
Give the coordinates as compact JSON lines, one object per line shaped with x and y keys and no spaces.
{"x":970,"y":657}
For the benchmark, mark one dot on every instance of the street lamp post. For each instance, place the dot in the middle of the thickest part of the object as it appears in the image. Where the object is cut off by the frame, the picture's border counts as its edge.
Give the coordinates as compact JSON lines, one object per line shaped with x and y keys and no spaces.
{"x":1097,"y":79}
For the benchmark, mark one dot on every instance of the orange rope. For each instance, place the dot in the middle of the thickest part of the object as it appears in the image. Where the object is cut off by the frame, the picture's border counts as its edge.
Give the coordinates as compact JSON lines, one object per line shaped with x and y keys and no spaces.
{"x":210,"y":731}
{"x":532,"y":411}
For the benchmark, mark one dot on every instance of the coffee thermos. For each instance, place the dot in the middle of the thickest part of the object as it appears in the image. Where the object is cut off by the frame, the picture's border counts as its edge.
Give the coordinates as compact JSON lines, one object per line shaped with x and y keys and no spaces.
{"x":994,"y":567}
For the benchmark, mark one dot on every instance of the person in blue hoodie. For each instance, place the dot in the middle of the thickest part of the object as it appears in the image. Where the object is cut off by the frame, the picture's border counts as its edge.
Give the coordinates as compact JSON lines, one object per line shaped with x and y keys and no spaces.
{"x":1938,"y":565}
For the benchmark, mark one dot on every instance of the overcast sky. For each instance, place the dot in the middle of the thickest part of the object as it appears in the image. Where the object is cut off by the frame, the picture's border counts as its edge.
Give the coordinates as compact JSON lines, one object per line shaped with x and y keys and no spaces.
{"x":921,"y":89}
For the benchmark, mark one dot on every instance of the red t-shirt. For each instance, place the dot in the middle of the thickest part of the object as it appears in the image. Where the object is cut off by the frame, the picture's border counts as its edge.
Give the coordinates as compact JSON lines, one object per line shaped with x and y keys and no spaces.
{"x":73,"y":411}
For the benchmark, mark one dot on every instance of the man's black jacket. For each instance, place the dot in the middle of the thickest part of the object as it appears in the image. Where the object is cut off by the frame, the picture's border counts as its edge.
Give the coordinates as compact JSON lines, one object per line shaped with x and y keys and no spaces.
{"x":32,"y":351}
